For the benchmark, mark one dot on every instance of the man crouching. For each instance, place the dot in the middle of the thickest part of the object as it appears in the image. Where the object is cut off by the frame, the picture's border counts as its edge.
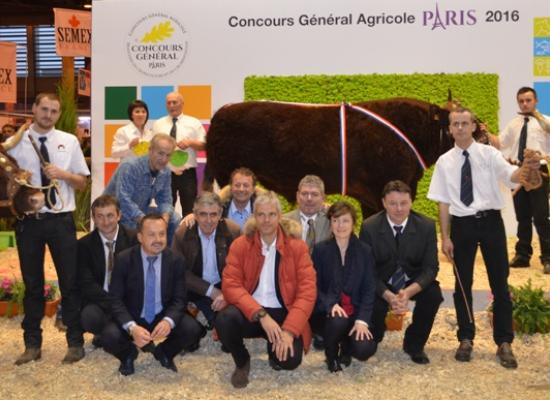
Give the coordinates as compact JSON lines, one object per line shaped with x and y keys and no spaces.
{"x":269,"y":284}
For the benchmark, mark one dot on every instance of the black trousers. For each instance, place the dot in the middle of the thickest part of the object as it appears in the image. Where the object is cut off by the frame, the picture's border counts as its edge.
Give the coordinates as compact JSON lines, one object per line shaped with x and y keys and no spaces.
{"x":94,"y":319}
{"x":487,"y":232}
{"x":204,"y":304}
{"x":186,"y":185}
{"x":532,"y":207}
{"x":59,"y":233}
{"x":425,"y":309}
{"x":337,"y":340}
{"x":118,"y":342}
{"x":233,"y":327}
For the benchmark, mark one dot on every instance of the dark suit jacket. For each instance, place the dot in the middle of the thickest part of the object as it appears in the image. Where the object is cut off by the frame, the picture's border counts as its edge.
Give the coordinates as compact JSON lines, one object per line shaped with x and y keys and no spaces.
{"x":417,"y":249}
{"x":91,"y":264}
{"x":359,"y":277}
{"x":187,"y":243}
{"x":128,"y":286}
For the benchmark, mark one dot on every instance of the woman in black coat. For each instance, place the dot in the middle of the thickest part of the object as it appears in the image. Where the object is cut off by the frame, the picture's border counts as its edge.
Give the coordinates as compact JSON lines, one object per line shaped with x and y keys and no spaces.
{"x":345,"y":291}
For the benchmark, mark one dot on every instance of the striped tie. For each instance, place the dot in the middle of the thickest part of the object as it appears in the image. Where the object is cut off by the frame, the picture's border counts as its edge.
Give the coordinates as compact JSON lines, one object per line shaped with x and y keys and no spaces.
{"x":398,"y":277}
{"x":466,"y":188}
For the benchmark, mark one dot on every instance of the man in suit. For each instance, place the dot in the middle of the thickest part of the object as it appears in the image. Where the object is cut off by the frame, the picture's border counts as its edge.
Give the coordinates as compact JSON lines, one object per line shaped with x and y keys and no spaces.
{"x":204,"y":248}
{"x":96,"y":252}
{"x":404,"y":245}
{"x":311,"y":211}
{"x":149,"y":296}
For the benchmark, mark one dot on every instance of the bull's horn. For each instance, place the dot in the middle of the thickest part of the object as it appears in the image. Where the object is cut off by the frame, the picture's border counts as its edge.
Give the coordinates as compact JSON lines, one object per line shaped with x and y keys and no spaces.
{"x":15,"y":139}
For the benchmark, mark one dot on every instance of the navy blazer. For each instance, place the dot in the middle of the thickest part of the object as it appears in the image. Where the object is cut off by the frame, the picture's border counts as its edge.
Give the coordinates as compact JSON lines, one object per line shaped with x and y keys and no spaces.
{"x":91,"y":265}
{"x":327,"y":262}
{"x":417,"y":252}
{"x":128,"y":286}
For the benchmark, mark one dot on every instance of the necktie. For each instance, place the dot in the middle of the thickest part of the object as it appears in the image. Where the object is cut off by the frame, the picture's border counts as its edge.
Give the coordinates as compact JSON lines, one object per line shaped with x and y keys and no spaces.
{"x":310,"y":237}
{"x":466,"y":188}
{"x":110,"y":259}
{"x":149,"y":297}
{"x":45,"y":180}
{"x":174,"y":128}
{"x":398,"y":277}
{"x":523,"y":139}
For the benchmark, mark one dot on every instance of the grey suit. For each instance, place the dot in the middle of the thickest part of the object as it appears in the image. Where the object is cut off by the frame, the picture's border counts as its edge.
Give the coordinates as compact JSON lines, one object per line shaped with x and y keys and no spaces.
{"x":417,"y":255}
{"x":321,"y":225}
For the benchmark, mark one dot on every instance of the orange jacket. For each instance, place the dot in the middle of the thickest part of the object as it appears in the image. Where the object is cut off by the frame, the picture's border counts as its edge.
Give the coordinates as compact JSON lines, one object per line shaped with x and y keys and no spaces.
{"x":297,"y":279}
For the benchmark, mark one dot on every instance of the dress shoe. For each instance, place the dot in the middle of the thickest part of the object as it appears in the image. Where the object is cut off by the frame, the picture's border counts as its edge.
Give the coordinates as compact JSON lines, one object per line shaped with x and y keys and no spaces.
{"x":333,"y":365}
{"x":519,"y":262}
{"x":96,"y":342}
{"x":163,"y":359}
{"x":318,"y":342}
{"x":419,"y":357}
{"x":239,"y":377}
{"x":345,"y":360}
{"x":464,"y":351}
{"x":506,"y":357}
{"x":274,"y":364}
{"x":546,"y":267}
{"x":127,"y":363}
{"x":73,"y":355}
{"x":30,"y":354}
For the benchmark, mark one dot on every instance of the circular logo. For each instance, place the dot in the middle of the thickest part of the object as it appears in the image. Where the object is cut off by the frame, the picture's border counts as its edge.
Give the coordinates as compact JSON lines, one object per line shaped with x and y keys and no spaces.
{"x":157,"y":45}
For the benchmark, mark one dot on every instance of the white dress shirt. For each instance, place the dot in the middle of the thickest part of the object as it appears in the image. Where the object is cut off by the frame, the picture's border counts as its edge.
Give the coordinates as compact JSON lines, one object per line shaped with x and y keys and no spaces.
{"x":488,"y":168}
{"x":537,"y":138}
{"x":265,"y":294}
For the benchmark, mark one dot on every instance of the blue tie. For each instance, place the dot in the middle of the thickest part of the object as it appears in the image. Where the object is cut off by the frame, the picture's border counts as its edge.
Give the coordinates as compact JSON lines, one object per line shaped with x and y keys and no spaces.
{"x":398,"y":277}
{"x":150,"y":284}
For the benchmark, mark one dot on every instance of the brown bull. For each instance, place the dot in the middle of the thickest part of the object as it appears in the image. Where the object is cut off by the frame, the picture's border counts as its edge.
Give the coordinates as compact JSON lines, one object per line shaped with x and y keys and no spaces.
{"x":16,"y":194}
{"x":282,"y":142}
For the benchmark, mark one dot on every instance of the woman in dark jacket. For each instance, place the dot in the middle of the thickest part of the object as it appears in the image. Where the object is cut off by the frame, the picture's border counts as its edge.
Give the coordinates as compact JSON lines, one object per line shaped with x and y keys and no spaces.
{"x":345,"y":291}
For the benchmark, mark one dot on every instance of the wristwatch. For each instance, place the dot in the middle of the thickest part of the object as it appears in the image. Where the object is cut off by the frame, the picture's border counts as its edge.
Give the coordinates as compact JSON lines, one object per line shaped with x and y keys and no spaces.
{"x":259,"y":315}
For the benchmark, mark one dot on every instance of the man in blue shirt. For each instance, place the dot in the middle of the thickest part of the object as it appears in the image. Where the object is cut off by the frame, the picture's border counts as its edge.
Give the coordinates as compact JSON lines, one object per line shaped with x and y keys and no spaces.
{"x":140,"y":181}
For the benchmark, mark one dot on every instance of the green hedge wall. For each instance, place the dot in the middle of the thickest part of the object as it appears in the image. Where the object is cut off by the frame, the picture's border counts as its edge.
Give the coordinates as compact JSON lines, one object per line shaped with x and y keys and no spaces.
{"x":477,"y":91}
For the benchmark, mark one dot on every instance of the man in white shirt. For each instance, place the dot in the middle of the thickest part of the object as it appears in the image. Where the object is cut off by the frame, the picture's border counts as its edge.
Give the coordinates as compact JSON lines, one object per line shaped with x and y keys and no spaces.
{"x":53,"y":225}
{"x":529,"y":129}
{"x":190,"y":137}
{"x":465,"y":184}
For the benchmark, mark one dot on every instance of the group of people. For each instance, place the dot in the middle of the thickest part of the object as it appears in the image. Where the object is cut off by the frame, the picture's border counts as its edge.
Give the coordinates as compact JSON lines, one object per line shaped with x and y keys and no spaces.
{"x":250,"y":270}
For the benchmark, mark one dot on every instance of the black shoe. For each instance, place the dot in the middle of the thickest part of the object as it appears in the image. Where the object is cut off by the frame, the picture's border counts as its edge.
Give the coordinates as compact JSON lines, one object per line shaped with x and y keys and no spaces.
{"x":418,"y":357}
{"x":30,"y":354}
{"x":96,"y":342}
{"x":225,"y":349}
{"x":333,"y":365}
{"x":318,"y":342}
{"x":74,"y":354}
{"x":163,"y":359}
{"x":274,"y":364}
{"x":345,"y":360}
{"x":464,"y":351}
{"x":506,"y":357}
{"x":127,"y":363}
{"x":191,"y":348}
{"x":519,"y":262}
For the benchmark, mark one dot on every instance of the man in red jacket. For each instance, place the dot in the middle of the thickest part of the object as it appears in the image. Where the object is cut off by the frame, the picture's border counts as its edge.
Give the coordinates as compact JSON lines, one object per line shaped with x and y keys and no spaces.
{"x":269,"y":283}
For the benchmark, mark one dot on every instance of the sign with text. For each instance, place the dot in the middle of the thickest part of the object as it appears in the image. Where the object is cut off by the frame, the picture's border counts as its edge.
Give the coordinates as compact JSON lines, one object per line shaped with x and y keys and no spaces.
{"x":8,"y":68}
{"x":73,"y":32}
{"x":84,"y":82}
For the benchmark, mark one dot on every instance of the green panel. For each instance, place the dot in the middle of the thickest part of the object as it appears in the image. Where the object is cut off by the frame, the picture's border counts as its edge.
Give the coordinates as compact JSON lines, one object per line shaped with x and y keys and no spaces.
{"x":117,"y":99}
{"x":479,"y":92}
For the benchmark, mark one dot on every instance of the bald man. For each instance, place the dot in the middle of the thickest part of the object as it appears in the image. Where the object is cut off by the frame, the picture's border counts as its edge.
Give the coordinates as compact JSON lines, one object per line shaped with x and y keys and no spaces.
{"x":190,"y":138}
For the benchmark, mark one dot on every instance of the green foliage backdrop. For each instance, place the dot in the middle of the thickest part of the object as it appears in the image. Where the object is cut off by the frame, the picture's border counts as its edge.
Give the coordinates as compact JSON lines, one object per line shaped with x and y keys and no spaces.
{"x":477,"y":91}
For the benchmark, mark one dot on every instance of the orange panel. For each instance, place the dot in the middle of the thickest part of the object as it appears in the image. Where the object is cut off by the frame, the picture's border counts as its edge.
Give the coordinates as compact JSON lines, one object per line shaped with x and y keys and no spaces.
{"x":109,"y":171}
{"x":110,"y":130}
{"x":197,"y":100}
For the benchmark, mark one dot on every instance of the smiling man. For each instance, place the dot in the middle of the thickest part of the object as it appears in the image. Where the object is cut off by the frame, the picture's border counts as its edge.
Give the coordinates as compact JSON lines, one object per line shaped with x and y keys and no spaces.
{"x":148,"y":294}
{"x":96,"y":256}
{"x":269,"y":284}
{"x":404,"y":245}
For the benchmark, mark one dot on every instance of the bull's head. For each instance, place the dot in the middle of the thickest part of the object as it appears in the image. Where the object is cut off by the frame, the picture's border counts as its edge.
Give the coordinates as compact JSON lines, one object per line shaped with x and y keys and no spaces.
{"x":16,"y":192}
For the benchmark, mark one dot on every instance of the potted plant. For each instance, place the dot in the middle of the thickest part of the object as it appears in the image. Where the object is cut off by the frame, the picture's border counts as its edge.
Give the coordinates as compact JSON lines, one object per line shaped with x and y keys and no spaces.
{"x":12,"y":293}
{"x":530,"y":309}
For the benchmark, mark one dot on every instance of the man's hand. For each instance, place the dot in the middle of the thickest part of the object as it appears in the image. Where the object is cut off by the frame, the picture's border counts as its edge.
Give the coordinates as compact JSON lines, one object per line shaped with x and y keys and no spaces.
{"x":361,"y":331}
{"x":184,"y":144}
{"x":188,"y":220}
{"x":447,"y":248}
{"x":140,"y":335}
{"x":271,"y":328}
{"x":218,"y":302}
{"x":283,"y":348}
{"x":162,"y":330}
{"x":338,"y":311}
{"x":54,"y":172}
